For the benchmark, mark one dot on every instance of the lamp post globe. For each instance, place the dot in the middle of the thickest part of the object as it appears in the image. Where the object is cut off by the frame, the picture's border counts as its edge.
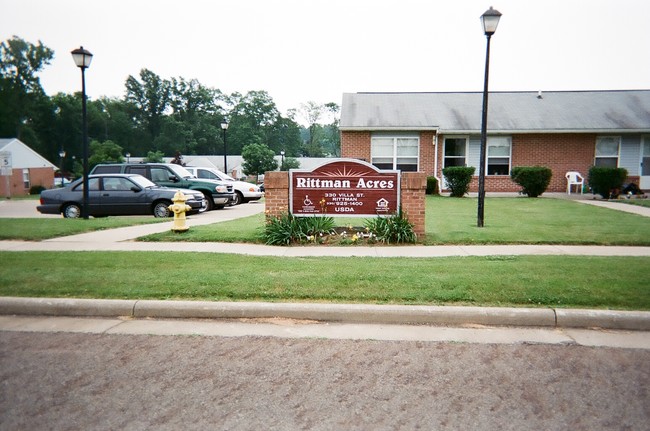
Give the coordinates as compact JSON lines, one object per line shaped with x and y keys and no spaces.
{"x":224,"y":127}
{"x":489,"y":21}
{"x":82,"y":58}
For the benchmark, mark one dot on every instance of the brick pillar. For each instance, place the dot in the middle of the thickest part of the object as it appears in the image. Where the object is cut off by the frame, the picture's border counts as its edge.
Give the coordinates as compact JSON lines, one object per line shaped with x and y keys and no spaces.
{"x":413,"y":193}
{"x":276,"y":193}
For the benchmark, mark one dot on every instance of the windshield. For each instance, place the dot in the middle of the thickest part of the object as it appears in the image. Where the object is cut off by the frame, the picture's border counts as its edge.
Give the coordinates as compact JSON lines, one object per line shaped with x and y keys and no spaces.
{"x":142,"y":181}
{"x":180,"y":171}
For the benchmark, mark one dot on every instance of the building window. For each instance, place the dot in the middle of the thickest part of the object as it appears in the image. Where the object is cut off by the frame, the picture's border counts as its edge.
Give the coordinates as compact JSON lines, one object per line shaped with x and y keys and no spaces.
{"x":607,"y":151}
{"x":395,"y":153}
{"x":498,"y":155}
{"x":26,"y":184}
{"x":455,"y":152}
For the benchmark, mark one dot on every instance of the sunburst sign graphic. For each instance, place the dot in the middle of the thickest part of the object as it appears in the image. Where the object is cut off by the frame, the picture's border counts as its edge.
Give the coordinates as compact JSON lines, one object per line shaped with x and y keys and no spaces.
{"x":344,"y":173}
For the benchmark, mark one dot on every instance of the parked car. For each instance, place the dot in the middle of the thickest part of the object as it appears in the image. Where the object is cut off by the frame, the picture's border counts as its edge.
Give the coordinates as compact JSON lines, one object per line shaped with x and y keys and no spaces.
{"x":244,"y":192}
{"x":116,"y":194}
{"x":217,"y":194}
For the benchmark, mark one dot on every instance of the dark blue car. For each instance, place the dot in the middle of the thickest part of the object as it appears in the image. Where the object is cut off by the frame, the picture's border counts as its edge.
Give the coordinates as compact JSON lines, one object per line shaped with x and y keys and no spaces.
{"x":116,"y":194}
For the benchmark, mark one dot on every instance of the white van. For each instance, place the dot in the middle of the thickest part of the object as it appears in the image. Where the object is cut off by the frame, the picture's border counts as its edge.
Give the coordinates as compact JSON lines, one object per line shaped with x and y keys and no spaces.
{"x":244,"y":192}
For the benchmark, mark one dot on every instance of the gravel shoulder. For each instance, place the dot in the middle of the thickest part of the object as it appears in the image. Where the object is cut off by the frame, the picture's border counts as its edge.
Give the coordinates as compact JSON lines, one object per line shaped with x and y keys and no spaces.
{"x":98,"y":381}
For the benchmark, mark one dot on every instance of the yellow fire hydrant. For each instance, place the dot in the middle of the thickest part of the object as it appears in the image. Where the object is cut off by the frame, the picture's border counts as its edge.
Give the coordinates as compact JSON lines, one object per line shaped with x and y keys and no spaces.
{"x":179,"y":208}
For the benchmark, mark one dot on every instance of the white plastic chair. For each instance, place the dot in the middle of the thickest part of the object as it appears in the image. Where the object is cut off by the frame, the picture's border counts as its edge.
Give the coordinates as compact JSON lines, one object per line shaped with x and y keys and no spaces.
{"x":574,"y":179}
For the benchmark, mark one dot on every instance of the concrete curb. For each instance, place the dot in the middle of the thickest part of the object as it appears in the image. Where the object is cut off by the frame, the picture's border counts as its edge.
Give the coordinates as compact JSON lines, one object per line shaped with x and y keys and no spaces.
{"x":348,"y":313}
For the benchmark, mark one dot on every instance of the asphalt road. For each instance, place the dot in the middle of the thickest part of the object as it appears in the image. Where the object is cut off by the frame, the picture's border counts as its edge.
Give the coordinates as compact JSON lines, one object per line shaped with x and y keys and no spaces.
{"x":66,"y":381}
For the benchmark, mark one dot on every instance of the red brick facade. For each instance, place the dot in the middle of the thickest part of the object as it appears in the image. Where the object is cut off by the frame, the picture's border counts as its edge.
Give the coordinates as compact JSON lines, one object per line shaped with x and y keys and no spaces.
{"x":17,"y":187}
{"x":562,"y":152}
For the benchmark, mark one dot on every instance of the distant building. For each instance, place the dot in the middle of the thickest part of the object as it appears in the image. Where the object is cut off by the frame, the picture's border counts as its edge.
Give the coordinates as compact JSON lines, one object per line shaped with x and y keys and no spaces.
{"x":23,"y":168}
{"x":565,"y":131}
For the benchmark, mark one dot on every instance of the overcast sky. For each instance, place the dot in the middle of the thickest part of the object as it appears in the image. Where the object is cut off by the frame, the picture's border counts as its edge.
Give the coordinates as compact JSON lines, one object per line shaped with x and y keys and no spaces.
{"x":315,"y":50}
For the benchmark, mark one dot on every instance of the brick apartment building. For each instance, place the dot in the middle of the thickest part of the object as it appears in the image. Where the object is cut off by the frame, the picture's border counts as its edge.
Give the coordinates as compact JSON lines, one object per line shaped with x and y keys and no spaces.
{"x":24,"y":168}
{"x":565,"y":131}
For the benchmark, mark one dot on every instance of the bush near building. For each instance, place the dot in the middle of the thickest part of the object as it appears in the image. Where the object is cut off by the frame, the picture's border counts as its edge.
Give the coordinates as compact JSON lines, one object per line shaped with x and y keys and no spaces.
{"x":458,"y":179}
{"x":432,"y":185}
{"x":603,"y":181}
{"x":534,"y":180}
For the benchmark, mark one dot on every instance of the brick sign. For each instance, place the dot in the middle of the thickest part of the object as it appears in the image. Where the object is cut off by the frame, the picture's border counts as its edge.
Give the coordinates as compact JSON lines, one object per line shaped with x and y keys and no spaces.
{"x":344,"y":187}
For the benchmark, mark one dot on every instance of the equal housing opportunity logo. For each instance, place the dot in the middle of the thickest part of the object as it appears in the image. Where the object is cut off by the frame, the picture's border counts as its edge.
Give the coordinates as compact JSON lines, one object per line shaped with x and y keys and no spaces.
{"x":344,"y":187}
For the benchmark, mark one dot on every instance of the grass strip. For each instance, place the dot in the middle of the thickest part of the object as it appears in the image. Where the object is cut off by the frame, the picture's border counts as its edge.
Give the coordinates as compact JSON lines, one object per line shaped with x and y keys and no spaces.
{"x":543,"y":281}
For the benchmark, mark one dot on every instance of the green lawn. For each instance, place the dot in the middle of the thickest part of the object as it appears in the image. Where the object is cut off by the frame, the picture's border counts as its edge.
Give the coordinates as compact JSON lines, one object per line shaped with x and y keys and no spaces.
{"x":639,"y":202}
{"x":38,"y":229}
{"x":453,"y":221}
{"x":520,"y":281}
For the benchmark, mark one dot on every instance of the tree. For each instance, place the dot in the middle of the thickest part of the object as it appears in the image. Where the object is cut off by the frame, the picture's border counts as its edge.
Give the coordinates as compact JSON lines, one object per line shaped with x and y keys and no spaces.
{"x":284,"y":135}
{"x":251,"y":118}
{"x":154,"y":157}
{"x":289,"y":163}
{"x":114,"y":119}
{"x":197,"y":118}
{"x":24,"y":108}
{"x":258,"y":158}
{"x":104,"y":152}
{"x":321,"y":140}
{"x":151,"y":98}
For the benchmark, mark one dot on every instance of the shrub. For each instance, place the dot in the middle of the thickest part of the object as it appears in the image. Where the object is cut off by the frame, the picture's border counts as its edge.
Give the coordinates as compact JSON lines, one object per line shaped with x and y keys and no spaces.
{"x":394,"y":229}
{"x":36,"y":190}
{"x":432,"y":185}
{"x":458,"y":179}
{"x":286,"y":229}
{"x":603,"y":181}
{"x":534,"y":180}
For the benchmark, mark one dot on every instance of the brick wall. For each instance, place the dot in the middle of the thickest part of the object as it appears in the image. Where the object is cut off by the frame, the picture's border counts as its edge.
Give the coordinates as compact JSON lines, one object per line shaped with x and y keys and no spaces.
{"x":562,"y":152}
{"x":37,"y":177}
{"x":412,"y":196}
{"x":356,"y":145}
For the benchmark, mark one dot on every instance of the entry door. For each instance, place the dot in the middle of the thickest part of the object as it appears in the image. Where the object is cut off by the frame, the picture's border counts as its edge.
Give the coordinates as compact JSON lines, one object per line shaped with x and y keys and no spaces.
{"x":645,"y":164}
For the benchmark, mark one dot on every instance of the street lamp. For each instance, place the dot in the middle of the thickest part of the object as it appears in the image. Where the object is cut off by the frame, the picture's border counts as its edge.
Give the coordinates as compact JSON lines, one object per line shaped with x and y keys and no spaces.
{"x":490,"y":21}
{"x":128,"y":157}
{"x":282,"y":158}
{"x":224,"y":127}
{"x":61,"y":157}
{"x":82,"y":59}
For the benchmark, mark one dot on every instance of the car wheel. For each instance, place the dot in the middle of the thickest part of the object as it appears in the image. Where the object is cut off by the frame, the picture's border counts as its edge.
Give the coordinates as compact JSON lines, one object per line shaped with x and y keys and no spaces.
{"x":72,"y":211}
{"x":209,"y":203}
{"x":161,"y":209}
{"x":239,"y":198}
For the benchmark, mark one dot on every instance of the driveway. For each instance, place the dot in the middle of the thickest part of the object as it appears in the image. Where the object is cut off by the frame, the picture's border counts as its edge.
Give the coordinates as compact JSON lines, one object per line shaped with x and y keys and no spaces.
{"x":22,"y":208}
